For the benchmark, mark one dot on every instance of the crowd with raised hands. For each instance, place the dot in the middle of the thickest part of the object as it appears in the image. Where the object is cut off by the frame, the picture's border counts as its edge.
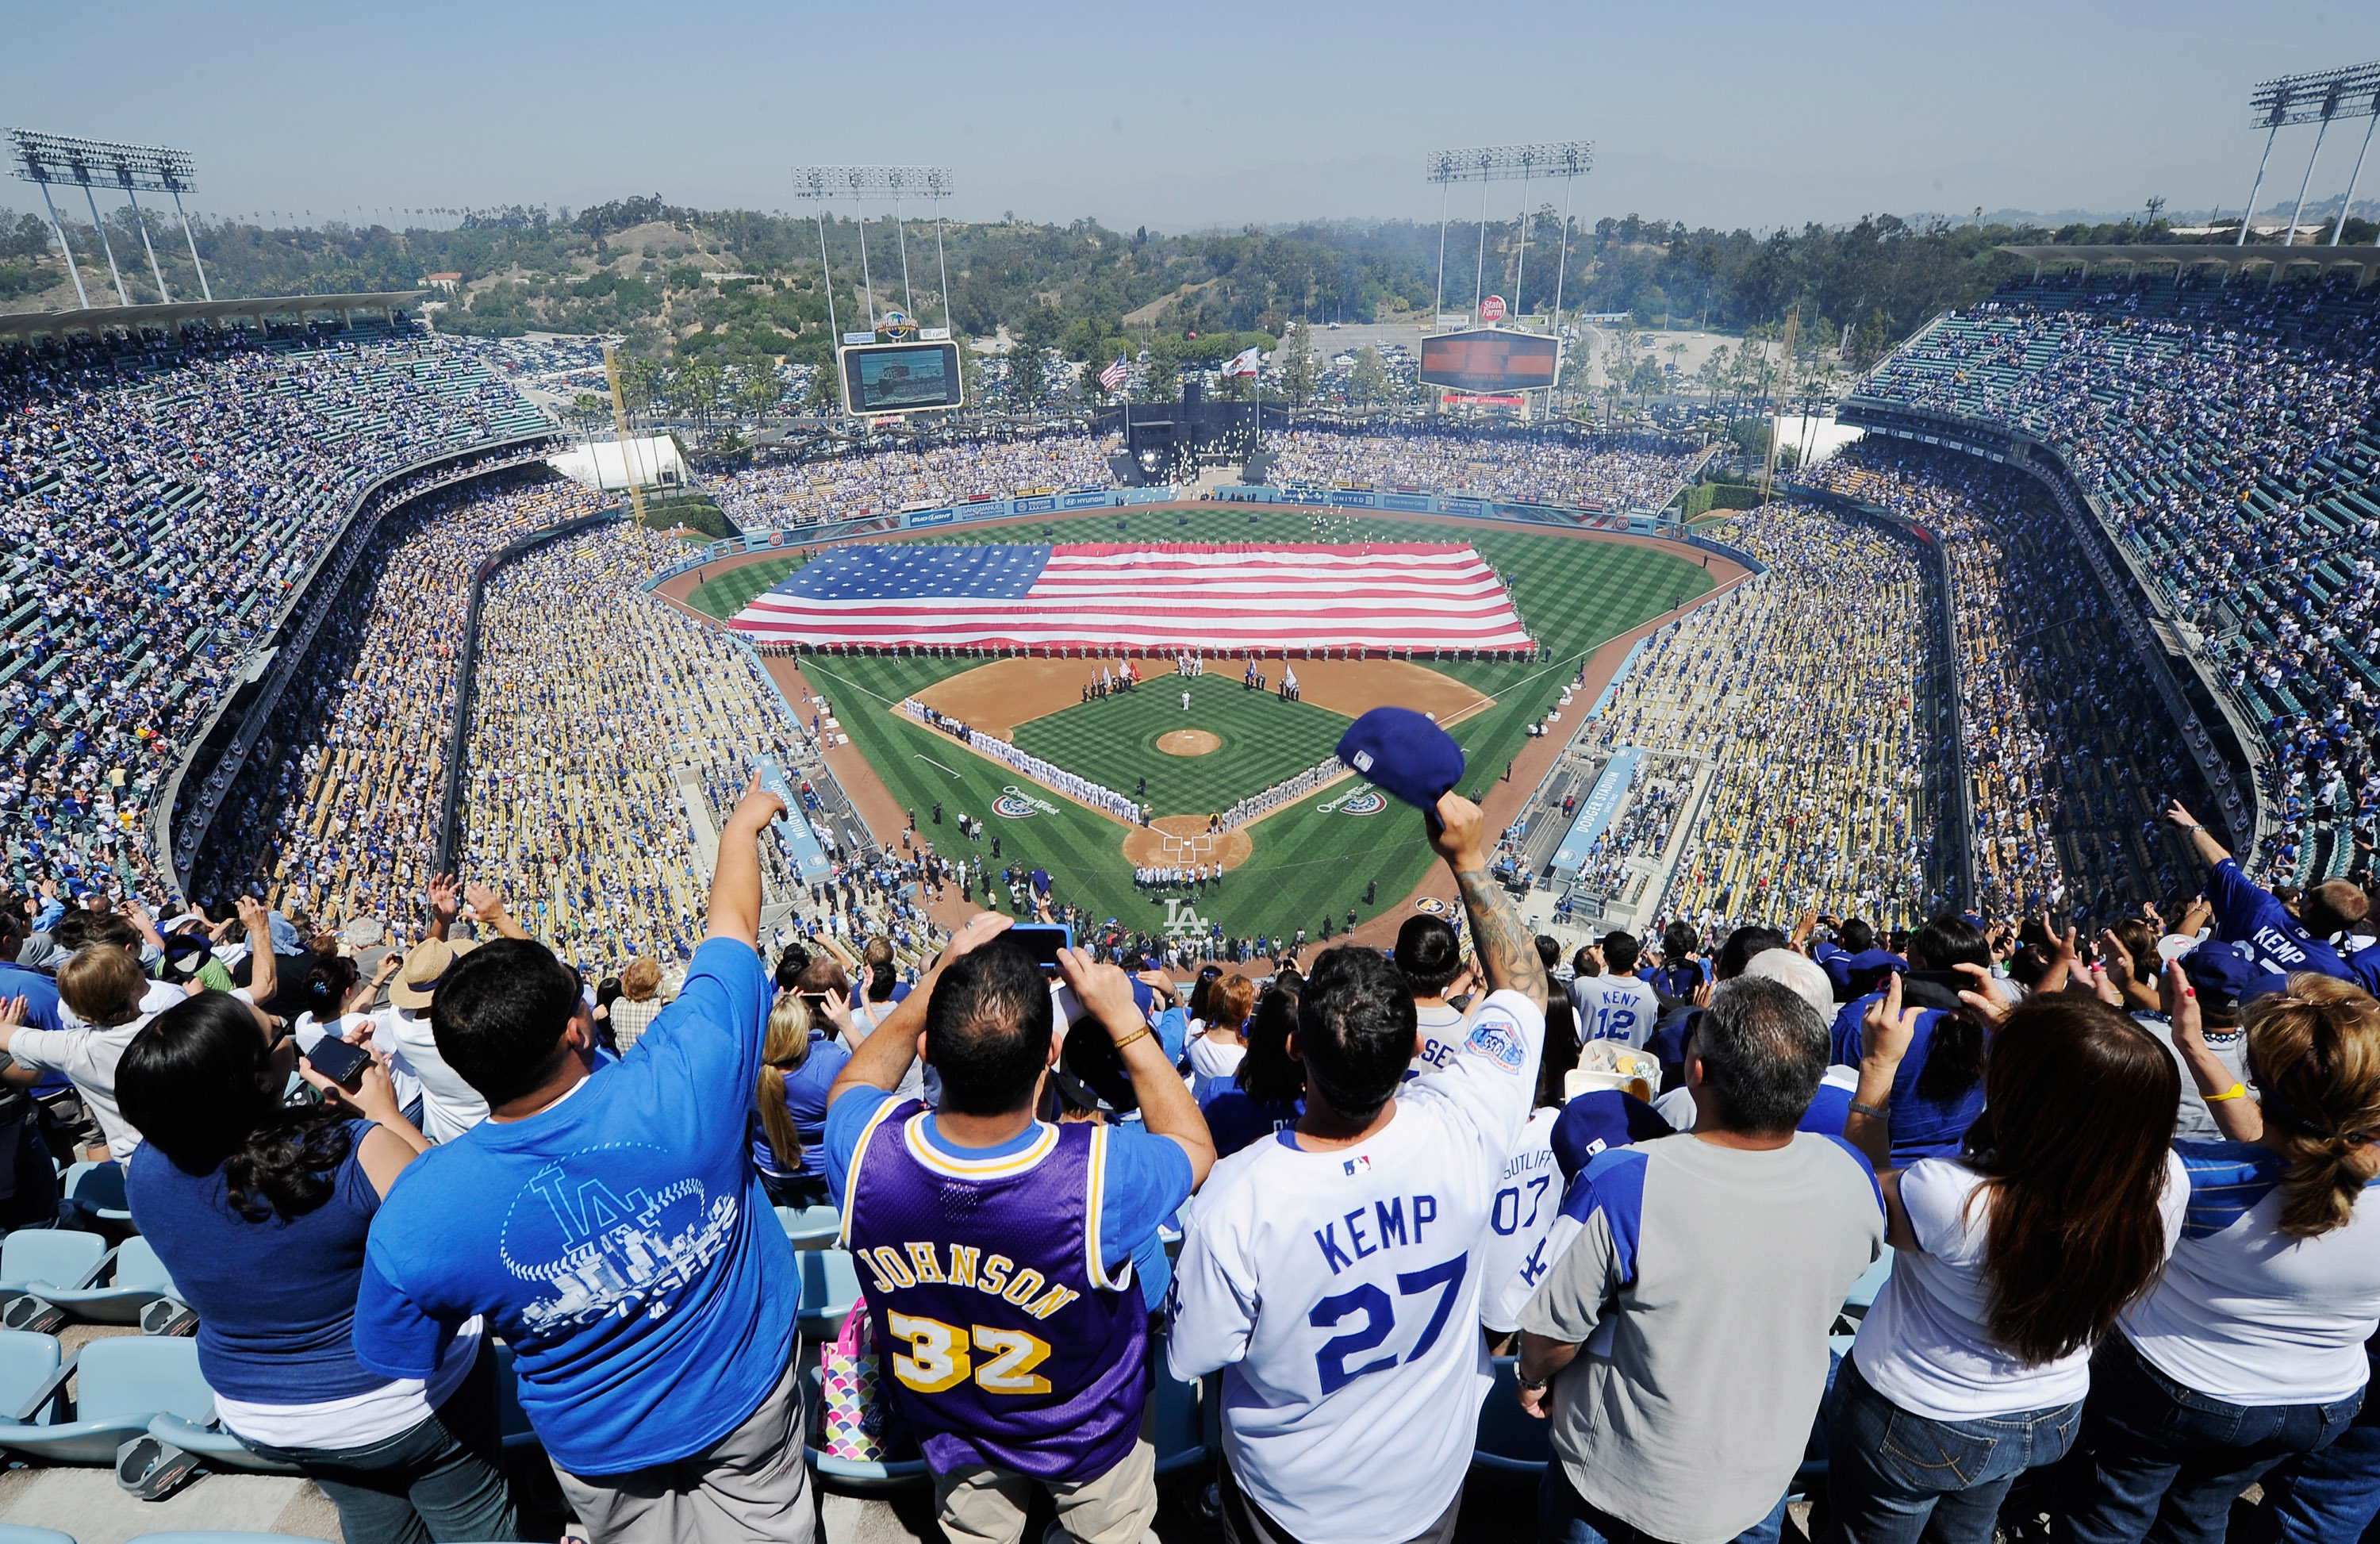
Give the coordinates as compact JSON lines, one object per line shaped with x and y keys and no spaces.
{"x":340,"y":818}
{"x":1541,"y":469}
{"x":2226,"y":432}
{"x":2067,"y":758}
{"x":1815,"y":727}
{"x":159,"y":499}
{"x":877,"y":478}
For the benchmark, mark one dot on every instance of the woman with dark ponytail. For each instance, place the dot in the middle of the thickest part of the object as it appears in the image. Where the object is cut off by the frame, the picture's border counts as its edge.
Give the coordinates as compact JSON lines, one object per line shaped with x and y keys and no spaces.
{"x":2014,"y":1258}
{"x":2251,"y":1349}
{"x":1938,"y":1090}
{"x":260,"y":1210}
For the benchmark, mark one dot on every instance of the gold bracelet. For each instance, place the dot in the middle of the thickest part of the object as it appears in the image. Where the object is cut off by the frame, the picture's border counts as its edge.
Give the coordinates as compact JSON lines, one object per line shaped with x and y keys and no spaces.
{"x":2235,"y":1091}
{"x":1140,"y":1033}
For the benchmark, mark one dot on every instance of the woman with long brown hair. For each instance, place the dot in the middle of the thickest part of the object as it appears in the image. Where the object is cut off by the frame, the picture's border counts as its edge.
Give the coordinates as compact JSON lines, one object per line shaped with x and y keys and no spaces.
{"x":2013,"y":1259}
{"x":2250,"y":1349}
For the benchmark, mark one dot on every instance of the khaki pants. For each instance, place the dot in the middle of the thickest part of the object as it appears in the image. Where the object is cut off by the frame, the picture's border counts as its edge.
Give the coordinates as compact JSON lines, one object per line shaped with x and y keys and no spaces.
{"x":986,"y":1505}
{"x":750,"y":1484}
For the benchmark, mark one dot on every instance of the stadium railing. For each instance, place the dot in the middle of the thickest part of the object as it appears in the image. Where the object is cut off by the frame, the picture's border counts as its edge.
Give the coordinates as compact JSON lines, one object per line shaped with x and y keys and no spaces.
{"x":179,"y":825}
{"x":467,"y":662}
{"x":2245,"y":810}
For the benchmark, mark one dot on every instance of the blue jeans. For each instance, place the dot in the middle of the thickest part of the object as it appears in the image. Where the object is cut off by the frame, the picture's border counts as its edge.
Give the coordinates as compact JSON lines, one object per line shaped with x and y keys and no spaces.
{"x":1565,"y":1517}
{"x":2164,"y":1462}
{"x":1894,"y":1477}
{"x":2331,"y":1496}
{"x":444,"y":1479}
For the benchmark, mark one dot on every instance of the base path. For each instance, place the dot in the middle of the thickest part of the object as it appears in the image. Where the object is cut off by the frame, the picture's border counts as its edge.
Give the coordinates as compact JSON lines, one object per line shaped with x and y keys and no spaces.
{"x":1146,"y":847}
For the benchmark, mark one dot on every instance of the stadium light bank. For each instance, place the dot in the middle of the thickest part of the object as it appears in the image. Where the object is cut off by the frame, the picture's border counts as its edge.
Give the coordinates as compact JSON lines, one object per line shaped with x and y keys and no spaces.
{"x":2316,"y":98}
{"x":1566,"y":159}
{"x":60,"y":160}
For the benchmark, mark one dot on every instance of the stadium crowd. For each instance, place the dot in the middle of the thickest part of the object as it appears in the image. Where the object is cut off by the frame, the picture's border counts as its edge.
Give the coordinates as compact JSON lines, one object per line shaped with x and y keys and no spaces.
{"x":159,"y":501}
{"x":783,"y":494}
{"x":1814,"y":726}
{"x":2228,"y":432}
{"x":1546,"y":471}
{"x":337,"y":820}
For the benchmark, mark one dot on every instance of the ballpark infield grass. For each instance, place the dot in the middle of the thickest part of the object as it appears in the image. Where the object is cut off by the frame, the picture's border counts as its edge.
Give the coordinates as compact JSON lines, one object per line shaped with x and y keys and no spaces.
{"x":1312,"y":860}
{"x":1113,"y":741}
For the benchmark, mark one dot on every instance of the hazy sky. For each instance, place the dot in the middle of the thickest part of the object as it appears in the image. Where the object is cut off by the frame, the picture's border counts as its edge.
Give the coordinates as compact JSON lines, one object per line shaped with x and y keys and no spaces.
{"x":1189,"y":115}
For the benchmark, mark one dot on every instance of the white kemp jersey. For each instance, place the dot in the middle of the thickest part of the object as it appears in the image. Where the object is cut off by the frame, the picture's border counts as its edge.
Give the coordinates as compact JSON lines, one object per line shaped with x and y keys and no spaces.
{"x":1523,"y":1208}
{"x":1614,"y":1008}
{"x":1340,"y":1294}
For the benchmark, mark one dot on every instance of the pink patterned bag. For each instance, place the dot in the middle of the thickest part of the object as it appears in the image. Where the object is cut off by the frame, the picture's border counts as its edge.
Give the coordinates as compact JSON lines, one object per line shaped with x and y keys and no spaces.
{"x":854,"y":1412}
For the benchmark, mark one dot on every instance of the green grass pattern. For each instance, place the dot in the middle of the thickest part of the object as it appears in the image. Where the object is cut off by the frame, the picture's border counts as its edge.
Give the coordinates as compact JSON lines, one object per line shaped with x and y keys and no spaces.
{"x":1113,"y":741}
{"x":1308,"y":863}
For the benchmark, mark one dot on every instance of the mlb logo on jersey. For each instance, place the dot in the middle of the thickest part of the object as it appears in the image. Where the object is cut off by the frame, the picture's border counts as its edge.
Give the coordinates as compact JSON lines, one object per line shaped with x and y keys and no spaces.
{"x":1500,"y":1043}
{"x":1359,"y":1164}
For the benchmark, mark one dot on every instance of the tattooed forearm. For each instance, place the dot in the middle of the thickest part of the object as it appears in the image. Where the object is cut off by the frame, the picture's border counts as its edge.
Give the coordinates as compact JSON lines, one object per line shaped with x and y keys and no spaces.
{"x":1506,"y":950}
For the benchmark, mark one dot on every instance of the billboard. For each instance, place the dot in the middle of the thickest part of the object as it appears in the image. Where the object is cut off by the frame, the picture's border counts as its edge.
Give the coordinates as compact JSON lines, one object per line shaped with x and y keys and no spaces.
{"x":1490,"y":360}
{"x":899,"y":378}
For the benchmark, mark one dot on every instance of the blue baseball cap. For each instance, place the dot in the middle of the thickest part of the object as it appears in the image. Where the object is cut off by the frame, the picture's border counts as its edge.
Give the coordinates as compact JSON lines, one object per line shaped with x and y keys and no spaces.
{"x":1598,"y":1120}
{"x":1403,"y":753}
{"x":2224,"y":978}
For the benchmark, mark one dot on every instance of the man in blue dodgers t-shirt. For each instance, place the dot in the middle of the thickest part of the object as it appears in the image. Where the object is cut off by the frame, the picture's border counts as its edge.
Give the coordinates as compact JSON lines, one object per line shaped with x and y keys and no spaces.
{"x":996,"y":1248}
{"x":613,"y":1231}
{"x":2249,"y":915}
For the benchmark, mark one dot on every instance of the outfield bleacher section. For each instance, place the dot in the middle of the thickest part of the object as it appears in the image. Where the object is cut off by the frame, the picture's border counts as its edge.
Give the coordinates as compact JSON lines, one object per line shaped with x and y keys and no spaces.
{"x":162,"y":501}
{"x":2227,"y":437}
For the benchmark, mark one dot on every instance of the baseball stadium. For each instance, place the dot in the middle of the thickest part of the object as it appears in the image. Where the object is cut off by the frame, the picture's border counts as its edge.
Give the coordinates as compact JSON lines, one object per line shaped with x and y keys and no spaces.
{"x":924,"y":867}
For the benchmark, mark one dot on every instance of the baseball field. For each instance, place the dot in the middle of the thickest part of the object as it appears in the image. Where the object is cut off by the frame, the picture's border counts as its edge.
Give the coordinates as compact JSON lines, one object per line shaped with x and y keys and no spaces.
{"x":1315,"y":858}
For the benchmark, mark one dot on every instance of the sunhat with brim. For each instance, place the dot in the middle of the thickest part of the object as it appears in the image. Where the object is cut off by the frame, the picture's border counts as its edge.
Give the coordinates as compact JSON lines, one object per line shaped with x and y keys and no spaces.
{"x":417,"y":984}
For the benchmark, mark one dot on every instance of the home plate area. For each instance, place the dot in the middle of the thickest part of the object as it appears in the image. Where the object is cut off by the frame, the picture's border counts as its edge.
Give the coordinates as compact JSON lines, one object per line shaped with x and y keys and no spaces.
{"x":1188,"y":747}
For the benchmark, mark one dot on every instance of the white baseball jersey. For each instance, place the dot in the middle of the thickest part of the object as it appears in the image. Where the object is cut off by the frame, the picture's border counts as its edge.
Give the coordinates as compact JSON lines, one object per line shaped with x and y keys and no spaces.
{"x":1339,"y":1293}
{"x":1440,"y":1025}
{"x":1518,"y":1216}
{"x":1614,"y":1008}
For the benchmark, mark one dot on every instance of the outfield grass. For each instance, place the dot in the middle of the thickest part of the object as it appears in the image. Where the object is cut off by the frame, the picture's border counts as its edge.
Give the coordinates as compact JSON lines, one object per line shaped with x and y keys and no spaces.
{"x":1114,"y":741}
{"x":1307,"y":862}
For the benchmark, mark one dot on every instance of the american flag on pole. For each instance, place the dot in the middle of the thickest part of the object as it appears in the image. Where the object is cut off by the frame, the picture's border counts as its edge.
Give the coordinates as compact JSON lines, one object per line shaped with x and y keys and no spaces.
{"x":1113,"y":377}
{"x":1156,"y":599}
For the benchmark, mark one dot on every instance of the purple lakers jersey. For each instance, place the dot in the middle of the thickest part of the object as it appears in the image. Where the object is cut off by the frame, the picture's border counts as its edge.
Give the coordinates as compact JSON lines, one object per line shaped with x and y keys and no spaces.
{"x":1008,"y":1339}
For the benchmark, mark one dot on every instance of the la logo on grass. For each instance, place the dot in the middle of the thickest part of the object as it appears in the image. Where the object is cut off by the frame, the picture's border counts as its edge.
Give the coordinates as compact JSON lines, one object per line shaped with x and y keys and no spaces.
{"x":1181,"y":920}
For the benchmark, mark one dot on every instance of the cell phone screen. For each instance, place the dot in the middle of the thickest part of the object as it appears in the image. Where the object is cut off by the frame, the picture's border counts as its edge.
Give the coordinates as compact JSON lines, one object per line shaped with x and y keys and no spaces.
{"x":336,"y":1060}
{"x":1042,"y":940}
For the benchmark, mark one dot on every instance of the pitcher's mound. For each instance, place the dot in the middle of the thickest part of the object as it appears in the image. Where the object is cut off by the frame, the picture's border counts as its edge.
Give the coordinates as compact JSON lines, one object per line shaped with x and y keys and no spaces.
{"x":1145,"y":848}
{"x":1189,"y":742}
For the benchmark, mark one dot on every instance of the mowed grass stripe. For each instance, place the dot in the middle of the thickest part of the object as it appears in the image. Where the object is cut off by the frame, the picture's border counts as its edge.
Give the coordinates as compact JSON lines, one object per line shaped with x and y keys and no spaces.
{"x":1574,"y":594}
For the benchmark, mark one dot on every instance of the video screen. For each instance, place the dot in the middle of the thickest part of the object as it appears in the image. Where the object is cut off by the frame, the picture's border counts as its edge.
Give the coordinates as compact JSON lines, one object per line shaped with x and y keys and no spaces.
{"x":1490,"y":360}
{"x":899,"y":378}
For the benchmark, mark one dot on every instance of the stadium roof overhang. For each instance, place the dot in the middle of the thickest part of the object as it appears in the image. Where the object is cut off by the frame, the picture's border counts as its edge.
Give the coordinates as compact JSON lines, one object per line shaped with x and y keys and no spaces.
{"x":2233,"y":260}
{"x":27,"y":325}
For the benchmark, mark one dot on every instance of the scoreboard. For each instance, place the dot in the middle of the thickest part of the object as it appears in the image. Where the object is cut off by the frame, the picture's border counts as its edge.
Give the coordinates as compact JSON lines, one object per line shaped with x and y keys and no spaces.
{"x":899,"y":378}
{"x":1490,"y":360}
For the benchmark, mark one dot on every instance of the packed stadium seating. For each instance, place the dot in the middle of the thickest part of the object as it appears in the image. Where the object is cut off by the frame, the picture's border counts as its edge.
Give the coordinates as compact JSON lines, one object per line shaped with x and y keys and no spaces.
{"x":785,"y":495}
{"x":2226,"y":432}
{"x":2070,"y":760}
{"x":1811,"y":726}
{"x":158,"y":501}
{"x":1538,"y":468}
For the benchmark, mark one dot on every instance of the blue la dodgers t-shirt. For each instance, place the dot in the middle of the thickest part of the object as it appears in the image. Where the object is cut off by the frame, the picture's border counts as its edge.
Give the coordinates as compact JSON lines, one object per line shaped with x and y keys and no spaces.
{"x":619,"y":1241}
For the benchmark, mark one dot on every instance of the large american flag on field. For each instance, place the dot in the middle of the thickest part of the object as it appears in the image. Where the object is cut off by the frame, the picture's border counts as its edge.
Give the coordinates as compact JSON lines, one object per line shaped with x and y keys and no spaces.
{"x":1096,"y":595}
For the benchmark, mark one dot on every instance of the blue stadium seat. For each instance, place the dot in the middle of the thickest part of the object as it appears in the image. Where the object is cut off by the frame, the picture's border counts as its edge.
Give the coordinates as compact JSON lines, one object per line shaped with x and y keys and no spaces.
{"x":830,"y":1287}
{"x":12,"y":1534}
{"x":122,"y":1383}
{"x":1511,"y":1441}
{"x":139,"y":1279}
{"x":1865,"y":1290}
{"x":1189,"y":1421}
{"x":97,"y":1190}
{"x":810,"y":1227}
{"x":29,"y":1388}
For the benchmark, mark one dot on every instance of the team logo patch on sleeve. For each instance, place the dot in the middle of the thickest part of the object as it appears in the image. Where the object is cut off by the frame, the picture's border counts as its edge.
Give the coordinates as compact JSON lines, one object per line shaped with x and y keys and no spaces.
{"x":1500,"y":1043}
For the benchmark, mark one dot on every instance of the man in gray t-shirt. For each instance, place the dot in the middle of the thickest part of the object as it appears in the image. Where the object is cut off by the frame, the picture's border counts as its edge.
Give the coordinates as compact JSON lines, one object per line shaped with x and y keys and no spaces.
{"x":1683,"y":1329}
